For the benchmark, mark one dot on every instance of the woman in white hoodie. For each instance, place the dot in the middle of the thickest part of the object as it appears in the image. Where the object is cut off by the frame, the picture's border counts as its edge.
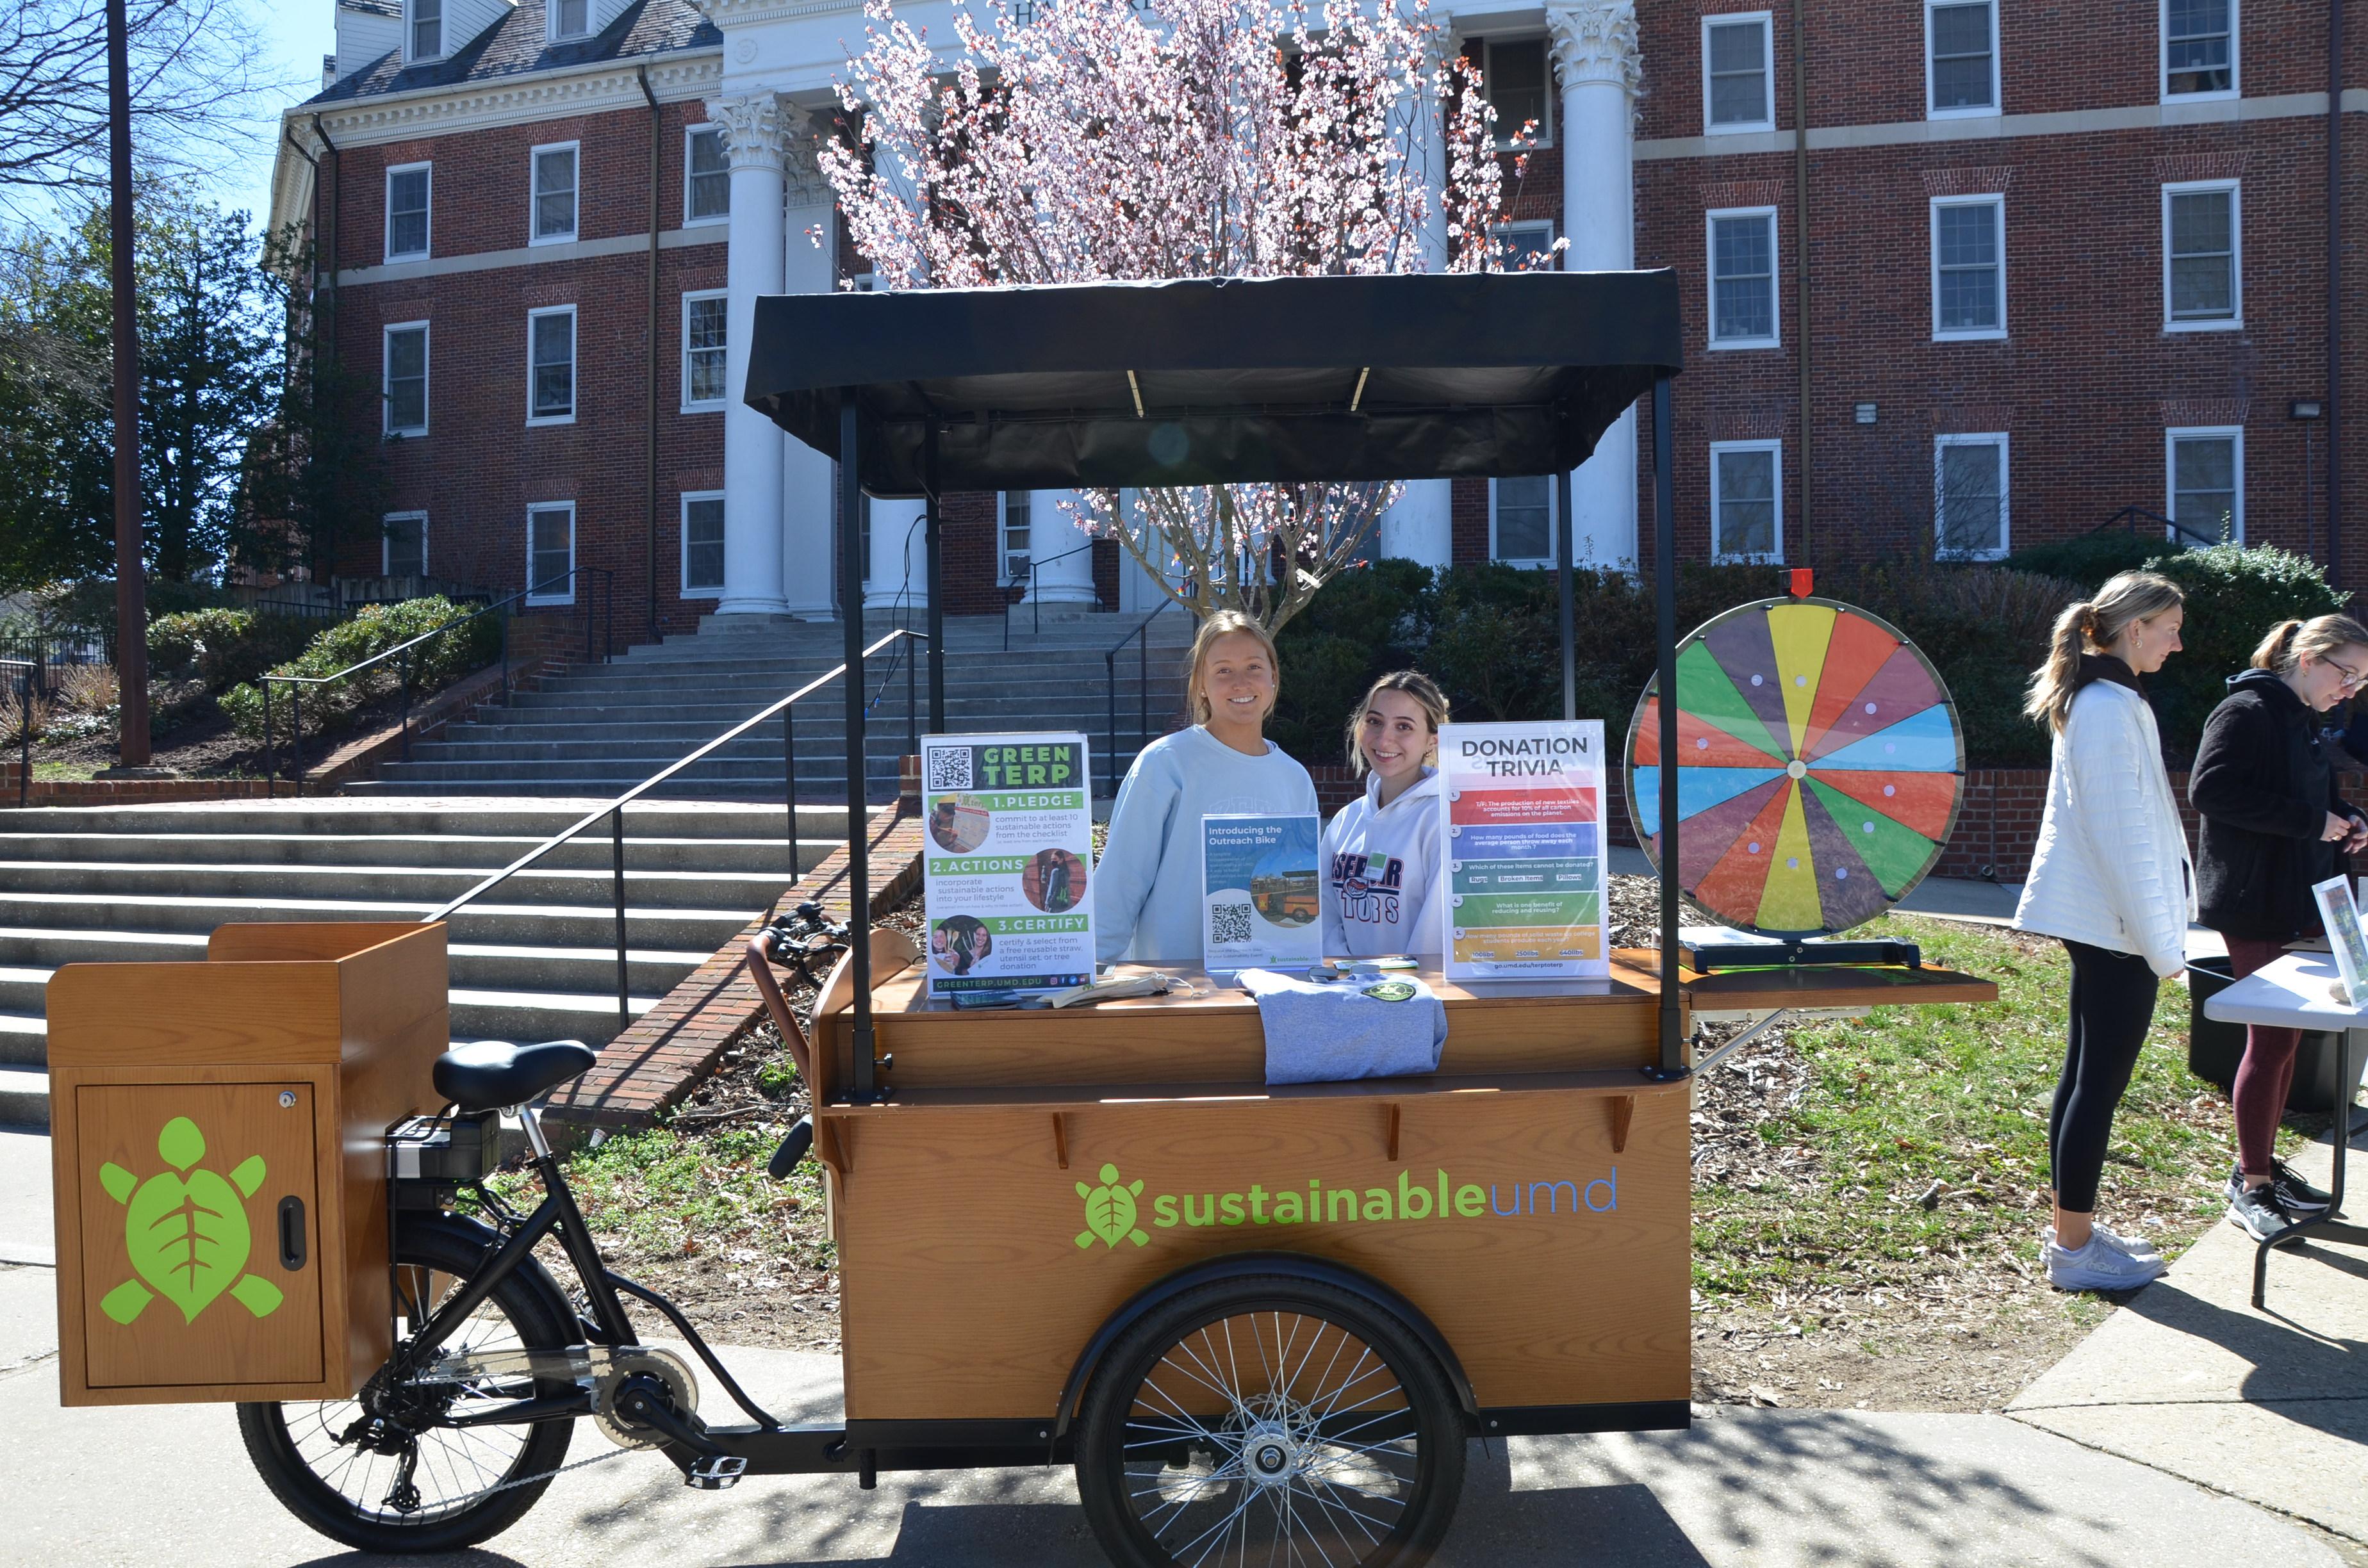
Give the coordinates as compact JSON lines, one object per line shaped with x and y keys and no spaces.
{"x":1381,"y":853}
{"x":2110,"y":878}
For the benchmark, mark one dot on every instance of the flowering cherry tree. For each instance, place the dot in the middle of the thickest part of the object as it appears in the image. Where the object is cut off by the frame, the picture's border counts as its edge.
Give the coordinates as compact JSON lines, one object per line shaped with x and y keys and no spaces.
{"x":1089,"y":141}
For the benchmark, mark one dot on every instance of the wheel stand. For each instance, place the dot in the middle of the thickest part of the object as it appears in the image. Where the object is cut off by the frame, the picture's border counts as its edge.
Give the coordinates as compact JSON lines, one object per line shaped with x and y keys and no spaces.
{"x":2327,"y":1226}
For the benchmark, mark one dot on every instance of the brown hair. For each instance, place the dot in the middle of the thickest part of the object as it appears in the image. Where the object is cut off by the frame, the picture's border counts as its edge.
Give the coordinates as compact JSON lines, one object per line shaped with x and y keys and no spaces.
{"x":1224,"y":623}
{"x":1415,"y":684}
{"x":2288,"y":641}
{"x":2093,"y":624}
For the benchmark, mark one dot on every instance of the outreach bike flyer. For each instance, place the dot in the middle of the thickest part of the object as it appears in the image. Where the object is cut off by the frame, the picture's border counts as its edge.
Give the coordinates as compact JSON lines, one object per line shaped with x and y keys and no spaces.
{"x":1522,"y":863}
{"x":1260,"y":900}
{"x":1010,"y":827}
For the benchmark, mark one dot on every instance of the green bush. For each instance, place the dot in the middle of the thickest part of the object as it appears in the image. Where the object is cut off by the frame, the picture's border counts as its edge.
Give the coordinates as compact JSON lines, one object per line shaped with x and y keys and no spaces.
{"x":2234,"y":596}
{"x":1365,"y":622}
{"x":223,"y":648}
{"x":434,"y":664}
{"x":2089,"y":560}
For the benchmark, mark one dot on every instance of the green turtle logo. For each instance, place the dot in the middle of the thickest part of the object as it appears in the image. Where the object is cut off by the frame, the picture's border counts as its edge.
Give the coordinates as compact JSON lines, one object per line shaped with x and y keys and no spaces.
{"x":1391,"y":990}
{"x":1109,"y":1211}
{"x":186,"y":1233}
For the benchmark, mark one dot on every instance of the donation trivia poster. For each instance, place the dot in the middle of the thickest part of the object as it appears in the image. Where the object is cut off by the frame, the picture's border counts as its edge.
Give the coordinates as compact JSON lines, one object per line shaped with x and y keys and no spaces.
{"x":1010,"y":827}
{"x":1259,"y":898}
{"x":1521,"y":866}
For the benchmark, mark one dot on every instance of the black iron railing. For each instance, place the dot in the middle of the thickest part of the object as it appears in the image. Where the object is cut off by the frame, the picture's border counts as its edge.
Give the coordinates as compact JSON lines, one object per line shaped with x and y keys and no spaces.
{"x":400,"y":652}
{"x":1035,"y":605}
{"x":1140,"y":638}
{"x":2132,"y":519}
{"x":615,"y":811}
{"x":21,"y":673}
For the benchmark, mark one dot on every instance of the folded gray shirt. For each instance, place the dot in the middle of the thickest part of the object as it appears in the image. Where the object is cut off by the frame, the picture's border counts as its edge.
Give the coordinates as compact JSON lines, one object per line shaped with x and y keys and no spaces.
{"x":1367,"y":1027}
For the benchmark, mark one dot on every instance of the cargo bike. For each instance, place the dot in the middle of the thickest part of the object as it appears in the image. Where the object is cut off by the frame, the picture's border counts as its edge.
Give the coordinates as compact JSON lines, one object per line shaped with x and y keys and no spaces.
{"x":1261,"y":1322}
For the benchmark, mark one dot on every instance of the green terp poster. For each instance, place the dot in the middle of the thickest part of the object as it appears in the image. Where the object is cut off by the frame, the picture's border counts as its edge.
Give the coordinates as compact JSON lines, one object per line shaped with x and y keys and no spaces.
{"x":1010,"y":829}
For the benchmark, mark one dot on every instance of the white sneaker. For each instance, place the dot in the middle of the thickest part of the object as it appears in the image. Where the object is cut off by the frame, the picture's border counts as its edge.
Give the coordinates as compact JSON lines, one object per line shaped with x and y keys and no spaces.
{"x":2135,"y":1246}
{"x":2099,"y":1265}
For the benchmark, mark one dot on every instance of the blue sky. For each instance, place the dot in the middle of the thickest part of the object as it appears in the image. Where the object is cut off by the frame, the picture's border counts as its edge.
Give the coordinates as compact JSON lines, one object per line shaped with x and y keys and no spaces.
{"x":296,"y":33}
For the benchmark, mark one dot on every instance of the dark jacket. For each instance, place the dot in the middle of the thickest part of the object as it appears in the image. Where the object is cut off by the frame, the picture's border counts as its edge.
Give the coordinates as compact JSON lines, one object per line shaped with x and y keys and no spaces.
{"x":2263,"y":786}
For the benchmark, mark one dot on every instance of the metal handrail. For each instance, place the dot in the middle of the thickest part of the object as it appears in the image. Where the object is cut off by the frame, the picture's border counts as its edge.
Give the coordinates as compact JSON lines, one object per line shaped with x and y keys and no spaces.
{"x":2129,"y":517}
{"x":1035,"y":605}
{"x":1142,"y":691}
{"x":615,"y":812}
{"x":296,"y":697}
{"x":28,"y":669}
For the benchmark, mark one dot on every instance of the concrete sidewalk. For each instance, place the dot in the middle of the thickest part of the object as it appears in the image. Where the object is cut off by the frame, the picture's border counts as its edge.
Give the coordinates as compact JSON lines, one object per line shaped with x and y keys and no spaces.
{"x":28,"y":1227}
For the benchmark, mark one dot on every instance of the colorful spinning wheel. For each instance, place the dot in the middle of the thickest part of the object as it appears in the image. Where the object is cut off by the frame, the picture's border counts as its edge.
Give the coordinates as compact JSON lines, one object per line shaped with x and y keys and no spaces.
{"x":1820,"y":766}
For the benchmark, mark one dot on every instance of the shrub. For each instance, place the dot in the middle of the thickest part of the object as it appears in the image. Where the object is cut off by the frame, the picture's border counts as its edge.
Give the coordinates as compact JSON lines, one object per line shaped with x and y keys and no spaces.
{"x":2089,"y":560}
{"x":1367,"y":622}
{"x":223,"y":648}
{"x":377,"y":628}
{"x":2234,"y":596}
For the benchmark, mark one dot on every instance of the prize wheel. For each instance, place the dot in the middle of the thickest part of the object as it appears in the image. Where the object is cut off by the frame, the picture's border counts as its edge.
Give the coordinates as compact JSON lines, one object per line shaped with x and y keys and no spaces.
{"x":1820,"y":766}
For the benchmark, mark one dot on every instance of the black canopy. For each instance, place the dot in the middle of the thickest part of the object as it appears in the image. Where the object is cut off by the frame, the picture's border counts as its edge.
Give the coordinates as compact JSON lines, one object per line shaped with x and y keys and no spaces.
{"x":1207,"y":381}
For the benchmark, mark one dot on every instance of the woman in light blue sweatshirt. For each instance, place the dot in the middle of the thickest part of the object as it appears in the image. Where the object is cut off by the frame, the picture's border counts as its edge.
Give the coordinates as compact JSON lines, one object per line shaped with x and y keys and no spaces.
{"x":1147,"y":889}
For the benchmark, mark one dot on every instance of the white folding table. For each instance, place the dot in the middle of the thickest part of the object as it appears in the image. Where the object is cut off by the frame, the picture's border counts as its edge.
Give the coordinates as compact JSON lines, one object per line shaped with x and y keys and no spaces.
{"x":2298,"y":992}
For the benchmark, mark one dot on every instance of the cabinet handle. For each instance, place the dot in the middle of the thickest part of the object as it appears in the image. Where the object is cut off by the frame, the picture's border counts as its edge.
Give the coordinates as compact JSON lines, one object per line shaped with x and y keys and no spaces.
{"x":292,"y":1233}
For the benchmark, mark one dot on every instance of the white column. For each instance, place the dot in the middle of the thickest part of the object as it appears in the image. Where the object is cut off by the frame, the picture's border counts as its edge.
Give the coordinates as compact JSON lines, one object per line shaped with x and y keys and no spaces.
{"x":1053,"y":531}
{"x":809,"y":514}
{"x":1595,"y":46}
{"x":1421,"y":525}
{"x":900,"y":557}
{"x":753,"y":445}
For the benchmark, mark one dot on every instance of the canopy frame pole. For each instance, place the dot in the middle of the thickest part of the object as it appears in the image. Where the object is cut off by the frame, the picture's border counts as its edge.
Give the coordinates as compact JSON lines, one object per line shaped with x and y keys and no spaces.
{"x":1564,"y":525}
{"x":858,"y":847}
{"x":1665,"y":595}
{"x":932,"y":529}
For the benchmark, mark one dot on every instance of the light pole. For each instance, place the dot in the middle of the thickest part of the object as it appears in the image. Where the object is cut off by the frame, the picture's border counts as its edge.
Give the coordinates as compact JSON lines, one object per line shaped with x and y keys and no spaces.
{"x":130,"y":587}
{"x":2308,"y":412}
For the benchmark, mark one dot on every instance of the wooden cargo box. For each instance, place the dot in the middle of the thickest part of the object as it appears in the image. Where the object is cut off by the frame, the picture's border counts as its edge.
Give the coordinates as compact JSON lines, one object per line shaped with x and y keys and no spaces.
{"x":218,"y":1145}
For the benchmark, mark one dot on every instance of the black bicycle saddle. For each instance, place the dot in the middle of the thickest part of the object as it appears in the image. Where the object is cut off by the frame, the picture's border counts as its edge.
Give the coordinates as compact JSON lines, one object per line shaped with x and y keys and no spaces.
{"x":493,"y":1072}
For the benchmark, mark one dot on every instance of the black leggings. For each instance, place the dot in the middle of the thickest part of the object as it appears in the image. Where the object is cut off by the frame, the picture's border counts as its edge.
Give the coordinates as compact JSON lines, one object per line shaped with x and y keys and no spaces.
{"x":2112,"y":1003}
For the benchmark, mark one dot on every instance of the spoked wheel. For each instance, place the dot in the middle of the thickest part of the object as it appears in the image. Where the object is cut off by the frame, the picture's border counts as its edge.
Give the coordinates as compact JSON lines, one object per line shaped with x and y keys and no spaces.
{"x":385,"y":1475}
{"x":1269,"y":1420}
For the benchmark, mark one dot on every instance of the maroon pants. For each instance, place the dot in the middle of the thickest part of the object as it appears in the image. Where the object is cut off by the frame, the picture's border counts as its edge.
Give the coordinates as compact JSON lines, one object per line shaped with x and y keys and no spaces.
{"x":2267,"y":1071}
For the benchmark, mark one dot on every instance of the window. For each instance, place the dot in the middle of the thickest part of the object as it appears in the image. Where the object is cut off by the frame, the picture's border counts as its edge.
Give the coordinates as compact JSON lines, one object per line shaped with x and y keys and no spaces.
{"x":2198,"y":49}
{"x":1961,"y":59}
{"x":1513,"y":74}
{"x":1738,"y":88}
{"x":407,"y":212}
{"x":406,"y":378}
{"x":1018,"y":513}
{"x":702,"y":544}
{"x":1743,"y":277}
{"x":1520,"y":519}
{"x":550,"y":553}
{"x":1747,"y":500}
{"x":569,"y":18}
{"x":1969,"y":517}
{"x":703,"y":319}
{"x":406,"y":553}
{"x":426,"y":28}
{"x":2207,"y":483}
{"x":1529,"y":247}
{"x":555,"y":194}
{"x":1968,"y":266}
{"x":707,"y":176}
{"x":550,"y":366}
{"x":2201,"y":249}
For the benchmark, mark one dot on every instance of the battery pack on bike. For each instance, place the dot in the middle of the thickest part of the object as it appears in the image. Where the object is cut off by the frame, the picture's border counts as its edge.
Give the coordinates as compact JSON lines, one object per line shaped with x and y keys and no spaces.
{"x":427,"y":1155}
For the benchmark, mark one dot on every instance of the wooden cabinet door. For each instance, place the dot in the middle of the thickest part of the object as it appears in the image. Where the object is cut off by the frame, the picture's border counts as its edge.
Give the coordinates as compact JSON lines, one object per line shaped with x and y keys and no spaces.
{"x":200,"y":1235}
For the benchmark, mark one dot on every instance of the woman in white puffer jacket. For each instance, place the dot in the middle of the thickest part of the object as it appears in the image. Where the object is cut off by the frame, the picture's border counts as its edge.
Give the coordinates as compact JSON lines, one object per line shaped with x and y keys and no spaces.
{"x":2110,"y":880}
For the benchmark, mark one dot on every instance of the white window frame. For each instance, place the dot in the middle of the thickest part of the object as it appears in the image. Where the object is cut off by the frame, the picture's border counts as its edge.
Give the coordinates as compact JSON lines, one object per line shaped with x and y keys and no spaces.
{"x":551,"y":33}
{"x":1997,"y":93}
{"x":688,"y":591}
{"x":689,"y":133}
{"x":1767,"y":20}
{"x":1933,"y":248}
{"x":428,"y":244}
{"x":712,"y":405}
{"x":2235,"y":434}
{"x":1554,"y":525}
{"x":534,"y":195}
{"x":1505,"y":231}
{"x":1551,"y":108}
{"x":2235,"y":320}
{"x":386,"y":547}
{"x":2235,"y":66}
{"x":1775,"y":338}
{"x":1775,"y":557}
{"x":411,"y":32}
{"x":574,"y":366}
{"x":387,"y":427}
{"x":547,"y":598}
{"x":1997,"y":439}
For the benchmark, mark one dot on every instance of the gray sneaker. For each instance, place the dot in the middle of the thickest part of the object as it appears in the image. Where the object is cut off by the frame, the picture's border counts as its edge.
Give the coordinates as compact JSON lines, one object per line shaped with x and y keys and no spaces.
{"x":2099,"y":1265}
{"x":2260,"y":1212}
{"x":2135,"y":1246}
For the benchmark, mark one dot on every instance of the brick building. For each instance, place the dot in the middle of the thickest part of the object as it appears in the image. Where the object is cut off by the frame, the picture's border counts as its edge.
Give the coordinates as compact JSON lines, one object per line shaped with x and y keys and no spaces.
{"x":2059,"y":261}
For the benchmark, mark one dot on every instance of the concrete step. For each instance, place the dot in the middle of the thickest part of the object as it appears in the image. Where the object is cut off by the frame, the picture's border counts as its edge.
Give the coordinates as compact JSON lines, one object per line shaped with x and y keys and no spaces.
{"x":534,"y":818}
{"x":24,"y":1097}
{"x":589,"y":851}
{"x":422,"y":885}
{"x":506,"y":924}
{"x":760,"y":777}
{"x":24,"y":1033}
{"x":721,"y":792}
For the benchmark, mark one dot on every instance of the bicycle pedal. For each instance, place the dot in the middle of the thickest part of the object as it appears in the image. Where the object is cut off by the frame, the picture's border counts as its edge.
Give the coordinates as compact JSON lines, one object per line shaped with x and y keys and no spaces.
{"x":716,"y":1473}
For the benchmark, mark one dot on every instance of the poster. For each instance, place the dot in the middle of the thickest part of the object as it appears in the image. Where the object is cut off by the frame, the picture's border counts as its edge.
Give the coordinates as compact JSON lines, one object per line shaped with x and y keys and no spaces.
{"x":1522,"y":850}
{"x":1006,"y":886}
{"x":2341,"y":916}
{"x":1260,"y":903}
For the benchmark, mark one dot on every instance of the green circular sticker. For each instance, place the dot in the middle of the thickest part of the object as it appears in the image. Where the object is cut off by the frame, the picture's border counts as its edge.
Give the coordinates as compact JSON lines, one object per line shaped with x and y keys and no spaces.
{"x":1390,"y":990}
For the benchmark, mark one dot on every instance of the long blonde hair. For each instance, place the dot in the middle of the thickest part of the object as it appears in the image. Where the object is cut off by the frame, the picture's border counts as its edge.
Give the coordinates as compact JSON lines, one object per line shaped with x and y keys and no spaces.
{"x":1224,"y":623}
{"x":2321,"y":635}
{"x":2092,"y":624}
{"x":1415,"y":684}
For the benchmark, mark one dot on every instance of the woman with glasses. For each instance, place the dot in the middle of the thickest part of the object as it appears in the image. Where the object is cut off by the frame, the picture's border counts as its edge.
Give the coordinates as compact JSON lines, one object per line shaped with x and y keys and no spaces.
{"x":2273,"y":826}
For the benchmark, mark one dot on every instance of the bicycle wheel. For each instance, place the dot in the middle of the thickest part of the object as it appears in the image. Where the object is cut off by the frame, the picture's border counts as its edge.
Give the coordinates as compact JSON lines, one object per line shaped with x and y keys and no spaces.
{"x":1266,"y":1419}
{"x":392,"y":1480}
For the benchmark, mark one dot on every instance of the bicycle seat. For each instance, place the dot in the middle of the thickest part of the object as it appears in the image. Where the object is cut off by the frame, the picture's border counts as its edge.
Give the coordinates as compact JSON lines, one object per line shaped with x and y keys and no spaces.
{"x":493,"y":1072}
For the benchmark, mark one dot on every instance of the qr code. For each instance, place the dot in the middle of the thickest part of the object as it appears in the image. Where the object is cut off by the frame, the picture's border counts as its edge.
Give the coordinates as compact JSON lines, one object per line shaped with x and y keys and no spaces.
{"x":949,"y":769}
{"x":1230,"y":923}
